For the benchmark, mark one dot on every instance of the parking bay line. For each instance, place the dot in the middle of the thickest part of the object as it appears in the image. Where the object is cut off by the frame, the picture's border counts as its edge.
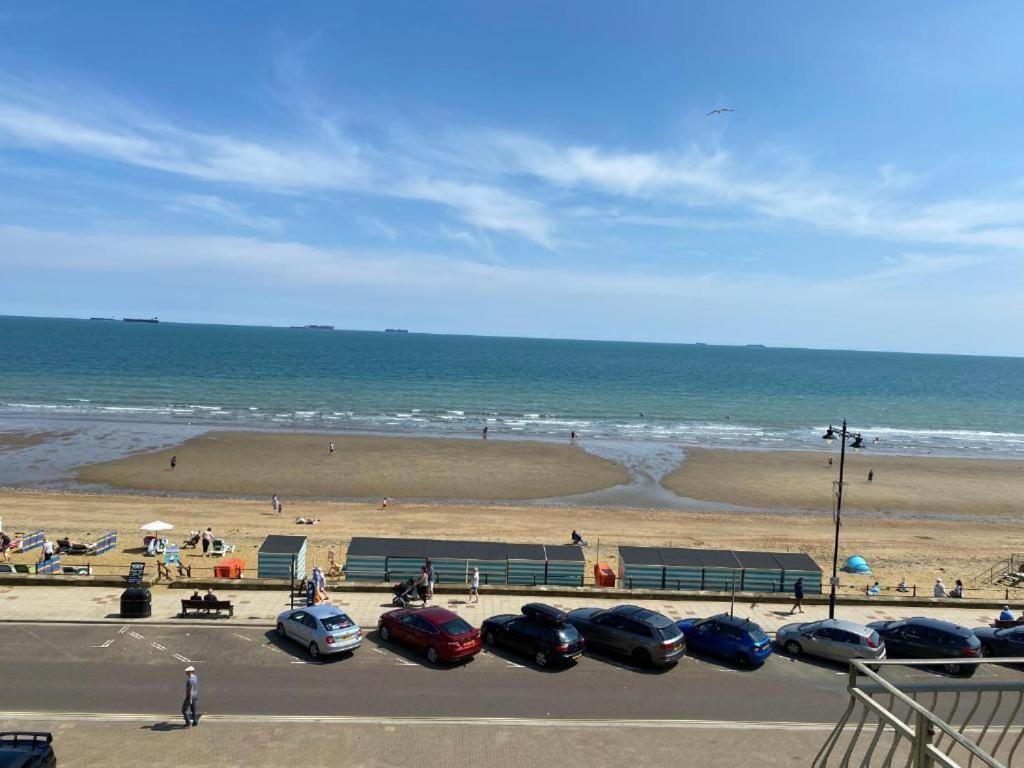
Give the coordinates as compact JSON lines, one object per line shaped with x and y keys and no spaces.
{"x":510,"y":722}
{"x":105,"y":645}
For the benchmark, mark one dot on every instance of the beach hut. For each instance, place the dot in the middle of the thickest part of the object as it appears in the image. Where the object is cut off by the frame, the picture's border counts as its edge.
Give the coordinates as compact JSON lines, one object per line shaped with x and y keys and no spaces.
{"x":282,"y":557}
{"x":527,"y":564}
{"x":796,"y":565}
{"x":641,"y":568}
{"x":367,"y":559}
{"x":721,"y":570}
{"x":684,"y":568}
{"x":761,"y":572}
{"x":565,"y":564}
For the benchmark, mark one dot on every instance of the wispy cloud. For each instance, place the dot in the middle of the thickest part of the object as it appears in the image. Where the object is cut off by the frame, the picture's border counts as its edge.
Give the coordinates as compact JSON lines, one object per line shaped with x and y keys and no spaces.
{"x":225,"y":209}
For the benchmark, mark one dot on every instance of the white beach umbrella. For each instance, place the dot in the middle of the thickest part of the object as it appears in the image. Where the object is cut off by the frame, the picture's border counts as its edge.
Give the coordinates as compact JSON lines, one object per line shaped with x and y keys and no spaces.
{"x":156,"y":525}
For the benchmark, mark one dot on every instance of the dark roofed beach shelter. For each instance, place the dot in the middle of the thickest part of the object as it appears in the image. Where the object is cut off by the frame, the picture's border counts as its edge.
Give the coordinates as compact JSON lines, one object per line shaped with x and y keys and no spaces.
{"x":565,"y":564}
{"x":797,"y":565}
{"x":761,"y":572}
{"x":277,"y":556}
{"x":641,"y":568}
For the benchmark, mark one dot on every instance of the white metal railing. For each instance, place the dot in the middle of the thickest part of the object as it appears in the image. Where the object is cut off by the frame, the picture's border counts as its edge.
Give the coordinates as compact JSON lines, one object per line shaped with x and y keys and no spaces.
{"x":898,"y":724}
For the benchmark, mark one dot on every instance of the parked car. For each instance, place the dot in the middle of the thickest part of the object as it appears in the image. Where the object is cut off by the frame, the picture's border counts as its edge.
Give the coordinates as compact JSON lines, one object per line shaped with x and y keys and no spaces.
{"x":1001,"y":642}
{"x":321,"y":629}
{"x":923,"y":638}
{"x":647,"y":637}
{"x":27,"y":749}
{"x":541,"y":631}
{"x":728,"y":637}
{"x":835,"y":639}
{"x":440,"y":634}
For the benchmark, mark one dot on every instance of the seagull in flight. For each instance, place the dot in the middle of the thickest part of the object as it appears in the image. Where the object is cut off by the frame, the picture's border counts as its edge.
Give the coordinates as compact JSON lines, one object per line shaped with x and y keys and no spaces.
{"x":719,"y":111}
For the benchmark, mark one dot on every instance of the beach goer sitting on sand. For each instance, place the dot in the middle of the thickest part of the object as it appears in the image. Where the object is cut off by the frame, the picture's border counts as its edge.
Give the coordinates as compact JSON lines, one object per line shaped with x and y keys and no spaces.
{"x":903,"y":586}
{"x":307,"y":520}
{"x":958,"y":590}
{"x":1006,"y":614}
{"x":209,"y":597}
{"x":874,"y":589}
{"x":940,"y":589}
{"x":576,"y":537}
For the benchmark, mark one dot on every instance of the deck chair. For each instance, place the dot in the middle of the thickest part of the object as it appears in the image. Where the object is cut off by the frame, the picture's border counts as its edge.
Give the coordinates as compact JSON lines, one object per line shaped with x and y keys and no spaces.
{"x":220,"y":547}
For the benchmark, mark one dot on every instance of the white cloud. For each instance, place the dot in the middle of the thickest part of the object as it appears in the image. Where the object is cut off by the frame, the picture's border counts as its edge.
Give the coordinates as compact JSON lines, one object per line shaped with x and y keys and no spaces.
{"x":225,"y":209}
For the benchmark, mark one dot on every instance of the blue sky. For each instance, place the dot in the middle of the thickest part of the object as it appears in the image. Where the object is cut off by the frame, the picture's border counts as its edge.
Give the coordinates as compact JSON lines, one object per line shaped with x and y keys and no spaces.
{"x":535,"y":169}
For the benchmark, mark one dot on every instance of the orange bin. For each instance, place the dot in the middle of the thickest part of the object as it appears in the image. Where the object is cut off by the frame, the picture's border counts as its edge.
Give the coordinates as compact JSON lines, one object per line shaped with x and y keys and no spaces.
{"x":231,"y":568}
{"x":604,"y":576}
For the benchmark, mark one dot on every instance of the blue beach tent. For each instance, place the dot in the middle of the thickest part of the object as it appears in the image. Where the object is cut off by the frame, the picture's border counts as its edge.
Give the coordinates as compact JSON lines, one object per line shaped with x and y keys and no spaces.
{"x":857,"y":564}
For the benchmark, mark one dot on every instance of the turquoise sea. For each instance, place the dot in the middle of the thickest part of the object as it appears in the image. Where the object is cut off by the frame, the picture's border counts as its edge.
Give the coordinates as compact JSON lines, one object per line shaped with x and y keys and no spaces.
{"x":145,"y":376}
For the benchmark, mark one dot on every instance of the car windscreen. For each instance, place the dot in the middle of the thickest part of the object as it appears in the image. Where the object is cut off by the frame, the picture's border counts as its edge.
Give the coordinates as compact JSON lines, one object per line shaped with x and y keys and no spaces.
{"x":456,"y":627}
{"x":334,"y":623}
{"x":671,"y":632}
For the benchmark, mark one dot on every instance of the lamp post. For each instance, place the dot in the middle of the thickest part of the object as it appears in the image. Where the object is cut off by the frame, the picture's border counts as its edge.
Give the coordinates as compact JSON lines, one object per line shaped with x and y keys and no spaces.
{"x":857,"y":444}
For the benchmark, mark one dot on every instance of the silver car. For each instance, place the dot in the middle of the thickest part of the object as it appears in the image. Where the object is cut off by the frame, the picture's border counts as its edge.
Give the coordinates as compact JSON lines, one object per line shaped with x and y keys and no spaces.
{"x":833,"y":639}
{"x":321,"y":629}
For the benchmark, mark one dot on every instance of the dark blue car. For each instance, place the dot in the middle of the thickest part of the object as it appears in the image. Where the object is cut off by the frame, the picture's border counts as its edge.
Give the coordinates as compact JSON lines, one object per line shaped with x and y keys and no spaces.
{"x":739,"y":640}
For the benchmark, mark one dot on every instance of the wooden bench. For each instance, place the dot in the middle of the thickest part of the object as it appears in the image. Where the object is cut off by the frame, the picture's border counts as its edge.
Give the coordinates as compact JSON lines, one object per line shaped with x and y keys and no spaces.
{"x":1004,"y":624}
{"x":207,"y":606}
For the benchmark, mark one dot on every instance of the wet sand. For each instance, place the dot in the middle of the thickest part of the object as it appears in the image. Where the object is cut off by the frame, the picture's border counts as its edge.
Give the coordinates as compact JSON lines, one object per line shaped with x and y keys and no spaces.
{"x":299,"y":466}
{"x":902,"y":484}
{"x":18,"y":441}
{"x":895,"y":548}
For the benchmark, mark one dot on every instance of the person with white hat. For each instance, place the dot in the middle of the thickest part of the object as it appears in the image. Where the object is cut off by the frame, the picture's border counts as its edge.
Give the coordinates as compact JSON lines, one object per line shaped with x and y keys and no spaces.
{"x":190,"y":707}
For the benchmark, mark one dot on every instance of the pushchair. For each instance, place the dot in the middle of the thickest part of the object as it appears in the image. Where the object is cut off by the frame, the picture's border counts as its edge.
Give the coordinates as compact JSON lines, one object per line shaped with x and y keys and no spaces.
{"x":193,"y":540}
{"x":405,"y":592}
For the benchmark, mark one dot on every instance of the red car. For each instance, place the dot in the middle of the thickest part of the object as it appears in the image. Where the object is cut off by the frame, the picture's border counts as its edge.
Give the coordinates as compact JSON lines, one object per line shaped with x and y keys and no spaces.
{"x":437,"y":632}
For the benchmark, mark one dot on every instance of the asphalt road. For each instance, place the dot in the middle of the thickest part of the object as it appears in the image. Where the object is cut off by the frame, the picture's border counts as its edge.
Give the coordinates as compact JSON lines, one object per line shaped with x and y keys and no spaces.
{"x":138,"y":669}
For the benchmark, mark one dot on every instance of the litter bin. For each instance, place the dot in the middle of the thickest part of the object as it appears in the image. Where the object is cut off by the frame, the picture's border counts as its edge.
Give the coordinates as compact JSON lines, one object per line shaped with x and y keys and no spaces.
{"x":136,"y":603}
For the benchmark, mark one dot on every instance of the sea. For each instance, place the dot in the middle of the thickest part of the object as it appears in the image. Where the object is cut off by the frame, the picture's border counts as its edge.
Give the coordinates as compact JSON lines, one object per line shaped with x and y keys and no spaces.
{"x":112,"y":386}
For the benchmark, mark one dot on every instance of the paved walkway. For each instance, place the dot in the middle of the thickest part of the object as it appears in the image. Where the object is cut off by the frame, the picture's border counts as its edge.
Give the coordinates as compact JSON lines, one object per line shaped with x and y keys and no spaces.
{"x":259,"y":608}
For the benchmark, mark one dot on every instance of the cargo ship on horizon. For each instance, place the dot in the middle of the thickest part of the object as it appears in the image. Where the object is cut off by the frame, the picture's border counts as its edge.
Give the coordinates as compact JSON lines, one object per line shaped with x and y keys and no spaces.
{"x":141,"y":319}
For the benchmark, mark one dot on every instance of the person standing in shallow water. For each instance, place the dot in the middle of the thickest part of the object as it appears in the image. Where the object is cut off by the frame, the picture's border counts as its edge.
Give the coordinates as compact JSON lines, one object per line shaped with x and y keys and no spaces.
{"x":485,"y":433}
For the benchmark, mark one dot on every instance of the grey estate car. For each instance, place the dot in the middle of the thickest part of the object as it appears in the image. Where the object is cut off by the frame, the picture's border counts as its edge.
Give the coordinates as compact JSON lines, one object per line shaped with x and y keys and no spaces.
{"x":834,"y":639}
{"x":647,"y":637}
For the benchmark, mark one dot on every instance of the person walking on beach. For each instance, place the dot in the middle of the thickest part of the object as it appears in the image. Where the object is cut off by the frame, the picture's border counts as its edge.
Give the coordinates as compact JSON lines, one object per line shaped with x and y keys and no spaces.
{"x":47,"y":550}
{"x":871,"y":475}
{"x":275,"y":503}
{"x":829,"y":463}
{"x":474,"y":586}
{"x":207,"y":539}
{"x":485,"y":433}
{"x":384,"y":504}
{"x":572,"y":437}
{"x":174,"y":462}
{"x":798,"y":596}
{"x":190,"y":706}
{"x":330,"y":448}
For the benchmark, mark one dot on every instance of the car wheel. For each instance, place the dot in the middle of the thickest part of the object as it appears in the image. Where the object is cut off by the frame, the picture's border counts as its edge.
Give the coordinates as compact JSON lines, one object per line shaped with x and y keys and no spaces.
{"x":641,"y":657}
{"x":385,"y":633}
{"x":741,"y":659}
{"x":489,"y":638}
{"x":314,"y":650}
{"x":280,"y":631}
{"x":541,"y":657}
{"x":986,"y":650}
{"x":432,"y":656}
{"x":793,"y":648}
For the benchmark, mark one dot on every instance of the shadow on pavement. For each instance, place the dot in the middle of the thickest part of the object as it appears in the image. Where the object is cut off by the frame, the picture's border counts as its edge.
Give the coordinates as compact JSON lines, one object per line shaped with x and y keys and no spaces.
{"x":163,"y":727}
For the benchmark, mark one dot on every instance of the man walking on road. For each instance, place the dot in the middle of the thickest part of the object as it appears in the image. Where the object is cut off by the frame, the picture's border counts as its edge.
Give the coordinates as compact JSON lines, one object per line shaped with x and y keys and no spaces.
{"x":190,"y":707}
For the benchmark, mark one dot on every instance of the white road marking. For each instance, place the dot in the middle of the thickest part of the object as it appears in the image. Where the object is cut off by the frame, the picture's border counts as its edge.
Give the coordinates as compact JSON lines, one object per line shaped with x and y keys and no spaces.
{"x":122,"y":630}
{"x":179,"y":657}
{"x":513,"y":665}
{"x":105,"y":645}
{"x":404,"y":663}
{"x":522,"y":722}
{"x":378,"y":650}
{"x":158,"y":646}
{"x":242,"y":637}
{"x":137,"y":635}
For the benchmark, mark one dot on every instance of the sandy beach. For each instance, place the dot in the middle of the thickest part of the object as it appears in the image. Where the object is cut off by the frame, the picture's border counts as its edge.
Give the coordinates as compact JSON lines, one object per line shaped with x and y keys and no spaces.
{"x":895,"y":548}
{"x":299,"y":466}
{"x":801,"y":480}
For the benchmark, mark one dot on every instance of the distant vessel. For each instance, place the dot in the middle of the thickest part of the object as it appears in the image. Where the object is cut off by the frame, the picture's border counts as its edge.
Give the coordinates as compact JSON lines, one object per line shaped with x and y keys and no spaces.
{"x":395,"y":330}
{"x":759,"y":346}
{"x":102,"y":318}
{"x":142,"y":319}
{"x":315,"y":327}
{"x":701,"y":343}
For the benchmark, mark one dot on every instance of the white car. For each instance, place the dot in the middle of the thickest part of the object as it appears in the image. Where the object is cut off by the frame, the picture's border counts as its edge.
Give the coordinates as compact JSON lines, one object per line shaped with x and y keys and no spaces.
{"x":321,"y":629}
